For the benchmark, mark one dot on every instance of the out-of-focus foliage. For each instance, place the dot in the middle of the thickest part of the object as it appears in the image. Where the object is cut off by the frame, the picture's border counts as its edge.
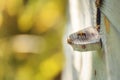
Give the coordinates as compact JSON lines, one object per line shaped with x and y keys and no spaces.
{"x":13,"y":6}
{"x":2,"y":4}
{"x":45,"y":19}
{"x":30,"y":39}
{"x":25,"y":20}
{"x":1,"y":19}
{"x":42,"y":14}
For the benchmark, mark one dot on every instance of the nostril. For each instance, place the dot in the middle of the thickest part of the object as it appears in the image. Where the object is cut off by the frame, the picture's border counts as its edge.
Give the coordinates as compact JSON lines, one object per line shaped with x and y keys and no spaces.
{"x":83,"y":46}
{"x":92,"y":34}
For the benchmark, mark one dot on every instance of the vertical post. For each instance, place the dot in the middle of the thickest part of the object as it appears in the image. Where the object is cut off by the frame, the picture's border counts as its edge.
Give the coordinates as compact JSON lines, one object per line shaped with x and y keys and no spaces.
{"x":82,"y":15}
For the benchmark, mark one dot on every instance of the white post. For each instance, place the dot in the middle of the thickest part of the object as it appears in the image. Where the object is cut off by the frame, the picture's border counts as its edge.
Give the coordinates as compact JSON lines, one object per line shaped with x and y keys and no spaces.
{"x":82,"y":15}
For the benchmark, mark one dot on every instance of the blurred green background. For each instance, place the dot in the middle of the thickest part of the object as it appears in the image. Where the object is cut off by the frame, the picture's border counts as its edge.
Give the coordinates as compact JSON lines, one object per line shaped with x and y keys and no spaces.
{"x":31,"y":39}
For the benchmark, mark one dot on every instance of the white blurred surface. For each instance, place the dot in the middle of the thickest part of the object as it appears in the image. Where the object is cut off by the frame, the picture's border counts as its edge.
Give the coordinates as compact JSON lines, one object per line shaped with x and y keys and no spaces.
{"x":82,"y":15}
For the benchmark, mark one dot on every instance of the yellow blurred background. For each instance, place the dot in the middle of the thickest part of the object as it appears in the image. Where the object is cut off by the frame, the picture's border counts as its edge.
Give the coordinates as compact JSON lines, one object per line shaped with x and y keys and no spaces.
{"x":31,"y":39}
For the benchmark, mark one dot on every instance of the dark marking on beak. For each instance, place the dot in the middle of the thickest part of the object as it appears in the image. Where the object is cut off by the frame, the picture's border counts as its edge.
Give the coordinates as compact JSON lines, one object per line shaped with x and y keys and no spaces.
{"x":95,"y":72}
{"x":83,"y":46}
{"x":82,"y":35}
{"x":98,"y":3}
{"x":98,"y":28}
{"x":101,"y":44}
{"x":69,"y":41}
